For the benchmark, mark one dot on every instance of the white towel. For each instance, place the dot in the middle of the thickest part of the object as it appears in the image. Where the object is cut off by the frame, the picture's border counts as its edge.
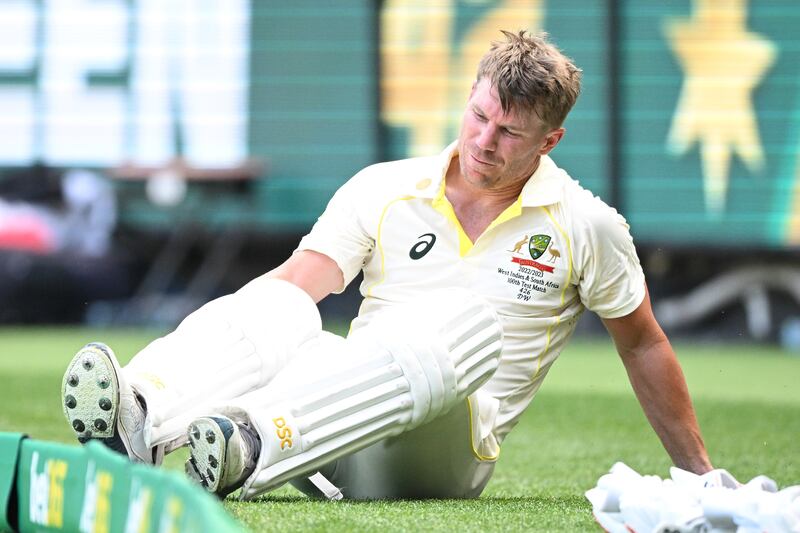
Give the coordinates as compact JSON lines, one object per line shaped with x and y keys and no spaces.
{"x":625,"y":501}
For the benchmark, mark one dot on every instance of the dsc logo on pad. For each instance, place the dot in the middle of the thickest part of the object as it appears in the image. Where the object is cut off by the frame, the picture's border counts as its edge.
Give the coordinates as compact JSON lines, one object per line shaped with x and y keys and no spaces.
{"x":283,"y":432}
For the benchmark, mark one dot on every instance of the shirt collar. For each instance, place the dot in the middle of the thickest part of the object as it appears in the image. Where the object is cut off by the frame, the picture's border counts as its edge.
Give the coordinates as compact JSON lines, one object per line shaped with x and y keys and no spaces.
{"x":544,"y":187}
{"x":430,"y":186}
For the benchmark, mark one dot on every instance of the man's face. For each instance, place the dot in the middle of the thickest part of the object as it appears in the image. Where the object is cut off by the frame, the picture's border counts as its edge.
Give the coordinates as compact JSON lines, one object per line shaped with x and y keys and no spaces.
{"x":497,"y":149}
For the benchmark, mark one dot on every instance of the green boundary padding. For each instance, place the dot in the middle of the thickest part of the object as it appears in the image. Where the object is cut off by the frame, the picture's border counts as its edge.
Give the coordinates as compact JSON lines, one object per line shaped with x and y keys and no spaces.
{"x":9,"y":453}
{"x":91,"y":488}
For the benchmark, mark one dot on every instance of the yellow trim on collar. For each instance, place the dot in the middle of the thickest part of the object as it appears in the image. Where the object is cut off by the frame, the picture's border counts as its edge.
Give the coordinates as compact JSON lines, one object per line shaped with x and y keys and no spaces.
{"x":512,"y":211}
{"x":443,"y":205}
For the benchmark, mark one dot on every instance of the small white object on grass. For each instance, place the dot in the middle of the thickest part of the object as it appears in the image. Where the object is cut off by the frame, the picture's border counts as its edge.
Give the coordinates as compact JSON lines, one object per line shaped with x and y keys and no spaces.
{"x":624,"y":500}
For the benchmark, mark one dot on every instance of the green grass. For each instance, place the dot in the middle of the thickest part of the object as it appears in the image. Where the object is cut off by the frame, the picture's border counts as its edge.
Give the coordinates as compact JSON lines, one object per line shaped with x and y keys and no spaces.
{"x":584,"y":419}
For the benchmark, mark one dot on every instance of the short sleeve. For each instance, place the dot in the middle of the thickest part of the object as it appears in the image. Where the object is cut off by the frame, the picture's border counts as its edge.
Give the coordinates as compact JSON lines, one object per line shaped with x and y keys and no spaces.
{"x":611,"y":282}
{"x":339,"y":233}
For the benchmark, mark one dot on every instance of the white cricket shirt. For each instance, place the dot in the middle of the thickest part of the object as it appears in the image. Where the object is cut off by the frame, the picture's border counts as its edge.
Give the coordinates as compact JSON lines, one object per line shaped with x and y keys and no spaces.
{"x":555,"y":251}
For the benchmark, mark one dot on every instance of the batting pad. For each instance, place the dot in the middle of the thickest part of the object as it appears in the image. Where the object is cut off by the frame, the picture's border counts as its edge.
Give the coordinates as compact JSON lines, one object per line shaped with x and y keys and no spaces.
{"x":411,"y":364}
{"x":228,"y":347}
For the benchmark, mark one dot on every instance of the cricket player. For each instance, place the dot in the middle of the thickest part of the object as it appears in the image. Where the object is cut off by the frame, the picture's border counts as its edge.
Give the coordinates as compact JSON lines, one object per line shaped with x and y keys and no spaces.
{"x":477,"y":264}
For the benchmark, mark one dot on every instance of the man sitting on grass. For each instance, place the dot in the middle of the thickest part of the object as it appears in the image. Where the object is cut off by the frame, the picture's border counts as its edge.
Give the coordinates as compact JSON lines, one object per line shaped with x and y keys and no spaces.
{"x":477,"y":265}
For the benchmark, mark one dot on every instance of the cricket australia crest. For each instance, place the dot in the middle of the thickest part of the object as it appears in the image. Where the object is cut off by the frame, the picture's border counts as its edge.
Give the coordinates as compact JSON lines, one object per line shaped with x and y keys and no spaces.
{"x":537,"y":245}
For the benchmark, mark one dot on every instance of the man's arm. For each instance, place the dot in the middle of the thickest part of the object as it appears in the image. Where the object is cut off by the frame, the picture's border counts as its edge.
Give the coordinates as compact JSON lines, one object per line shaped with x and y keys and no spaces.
{"x":659,"y":384}
{"x":315,"y":273}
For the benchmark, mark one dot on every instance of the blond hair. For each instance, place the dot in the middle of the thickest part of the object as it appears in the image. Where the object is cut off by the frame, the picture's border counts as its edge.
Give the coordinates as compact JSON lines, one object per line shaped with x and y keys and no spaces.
{"x":530,"y":73}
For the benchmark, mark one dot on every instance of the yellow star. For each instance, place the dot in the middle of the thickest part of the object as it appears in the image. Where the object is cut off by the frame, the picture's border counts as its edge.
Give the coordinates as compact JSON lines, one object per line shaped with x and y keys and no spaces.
{"x":426,"y":80}
{"x":723,"y":62}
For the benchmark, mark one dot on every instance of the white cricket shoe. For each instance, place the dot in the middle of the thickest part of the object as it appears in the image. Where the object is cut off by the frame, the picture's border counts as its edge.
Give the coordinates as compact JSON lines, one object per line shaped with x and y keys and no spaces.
{"x":99,"y":404}
{"x":224,"y":453}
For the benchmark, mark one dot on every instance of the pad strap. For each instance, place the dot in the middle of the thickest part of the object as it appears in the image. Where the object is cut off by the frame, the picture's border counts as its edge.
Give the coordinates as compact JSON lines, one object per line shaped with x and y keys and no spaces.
{"x":326,"y":487}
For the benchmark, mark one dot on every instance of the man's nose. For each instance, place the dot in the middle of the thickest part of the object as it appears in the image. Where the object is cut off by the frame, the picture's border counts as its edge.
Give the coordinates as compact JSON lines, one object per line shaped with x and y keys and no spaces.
{"x":487,"y":138}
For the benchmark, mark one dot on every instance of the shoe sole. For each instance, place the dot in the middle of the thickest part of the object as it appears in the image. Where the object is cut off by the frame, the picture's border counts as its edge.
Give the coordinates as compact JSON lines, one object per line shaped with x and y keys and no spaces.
{"x":208,"y":446}
{"x":90,"y":393}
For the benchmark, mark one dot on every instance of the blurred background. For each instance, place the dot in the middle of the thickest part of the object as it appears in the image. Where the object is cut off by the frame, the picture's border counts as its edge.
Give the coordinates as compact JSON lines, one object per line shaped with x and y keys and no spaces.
{"x":155,"y":154}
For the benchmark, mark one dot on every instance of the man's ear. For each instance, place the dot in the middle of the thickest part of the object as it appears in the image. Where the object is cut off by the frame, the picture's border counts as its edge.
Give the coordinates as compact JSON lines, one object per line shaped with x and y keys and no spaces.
{"x":551,"y":140}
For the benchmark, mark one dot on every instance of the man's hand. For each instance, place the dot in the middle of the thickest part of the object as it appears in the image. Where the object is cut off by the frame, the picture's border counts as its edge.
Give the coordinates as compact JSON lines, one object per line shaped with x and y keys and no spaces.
{"x":659,"y":384}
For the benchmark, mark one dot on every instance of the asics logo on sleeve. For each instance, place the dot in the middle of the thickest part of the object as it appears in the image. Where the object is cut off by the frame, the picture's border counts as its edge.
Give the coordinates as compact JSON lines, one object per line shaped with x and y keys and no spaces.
{"x":418,"y":251}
